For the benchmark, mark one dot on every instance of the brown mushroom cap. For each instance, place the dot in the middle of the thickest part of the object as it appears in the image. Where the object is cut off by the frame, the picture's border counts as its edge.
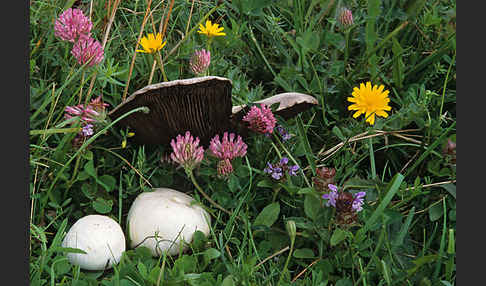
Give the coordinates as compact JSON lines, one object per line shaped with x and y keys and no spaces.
{"x":290,"y":104}
{"x":201,"y":105}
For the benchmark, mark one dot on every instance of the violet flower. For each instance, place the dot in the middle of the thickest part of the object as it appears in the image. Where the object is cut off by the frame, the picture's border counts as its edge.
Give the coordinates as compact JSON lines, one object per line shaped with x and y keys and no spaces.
{"x":358,"y":201}
{"x":283,"y":133}
{"x":87,"y":130}
{"x":261,"y":119}
{"x":278,"y":170}
{"x":332,"y":196}
{"x":72,"y":25}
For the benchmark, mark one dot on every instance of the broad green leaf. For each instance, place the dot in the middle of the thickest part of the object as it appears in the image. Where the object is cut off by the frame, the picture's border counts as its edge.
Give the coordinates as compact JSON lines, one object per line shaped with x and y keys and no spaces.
{"x":212,"y":253}
{"x":228,"y":281}
{"x":102,"y":206}
{"x":312,"y":206}
{"x":304,"y":253}
{"x":68,"y":250}
{"x":109,"y":183}
{"x":436,"y":212}
{"x":338,"y":236}
{"x":90,"y":169}
{"x":268,"y":215}
{"x":391,"y":190}
{"x":450,"y":188}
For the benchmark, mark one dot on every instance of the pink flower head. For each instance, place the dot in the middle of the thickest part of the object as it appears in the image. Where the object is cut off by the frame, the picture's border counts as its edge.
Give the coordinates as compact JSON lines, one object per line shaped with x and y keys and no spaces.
{"x":88,"y":50}
{"x":186,"y":151}
{"x":261,"y":120}
{"x":224,"y":168}
{"x":345,"y":17}
{"x":200,"y":61}
{"x":71,"y":25}
{"x":229,"y":148}
{"x":93,"y":112}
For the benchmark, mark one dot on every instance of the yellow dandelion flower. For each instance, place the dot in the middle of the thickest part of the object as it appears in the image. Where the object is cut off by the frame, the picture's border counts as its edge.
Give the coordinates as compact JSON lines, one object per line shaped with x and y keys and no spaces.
{"x":152,"y":43}
{"x":370,"y":100}
{"x":211,"y":29}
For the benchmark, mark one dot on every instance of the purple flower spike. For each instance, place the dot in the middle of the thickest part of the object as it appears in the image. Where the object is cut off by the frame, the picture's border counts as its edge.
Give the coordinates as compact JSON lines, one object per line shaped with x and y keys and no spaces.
{"x":285,"y":135}
{"x":279,"y":169}
{"x":277,"y":173}
{"x":358,"y":201}
{"x":332,"y":187}
{"x":284,"y":161}
{"x":87,"y":130}
{"x":293,"y":170}
{"x":331,"y":197}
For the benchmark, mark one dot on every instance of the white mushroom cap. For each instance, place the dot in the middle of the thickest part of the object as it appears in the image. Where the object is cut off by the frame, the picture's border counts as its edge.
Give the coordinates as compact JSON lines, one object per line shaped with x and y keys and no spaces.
{"x":100,"y":237}
{"x":165,"y":216}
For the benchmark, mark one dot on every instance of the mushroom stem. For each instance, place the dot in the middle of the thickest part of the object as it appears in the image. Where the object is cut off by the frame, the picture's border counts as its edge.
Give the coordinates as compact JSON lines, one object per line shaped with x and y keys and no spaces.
{"x":193,"y":179}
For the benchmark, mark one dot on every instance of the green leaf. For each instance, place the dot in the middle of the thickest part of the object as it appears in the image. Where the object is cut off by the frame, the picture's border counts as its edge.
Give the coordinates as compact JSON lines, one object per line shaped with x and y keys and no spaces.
{"x":312,"y":206}
{"x":344,"y":282}
{"x":90,"y":169}
{"x":436,"y":212}
{"x":211,"y":253}
{"x":305,"y":141}
{"x":398,"y":65}
{"x":228,"y":281}
{"x":336,"y":131}
{"x":303,"y":191}
{"x":268,"y":215}
{"x":102,"y":206}
{"x":338,"y":236}
{"x":304,"y":253}
{"x":68,"y":250}
{"x":233,"y":183}
{"x":392,"y":189}
{"x":450,"y":188}
{"x":108,"y":181}
{"x":82,"y":176}
{"x":142,"y":269}
{"x":265,"y":183}
{"x":419,"y":262}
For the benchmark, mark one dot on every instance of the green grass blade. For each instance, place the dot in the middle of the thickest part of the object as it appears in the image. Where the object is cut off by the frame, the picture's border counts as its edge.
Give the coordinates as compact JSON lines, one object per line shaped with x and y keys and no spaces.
{"x":430,"y":149}
{"x":305,"y":141}
{"x":391,"y":190}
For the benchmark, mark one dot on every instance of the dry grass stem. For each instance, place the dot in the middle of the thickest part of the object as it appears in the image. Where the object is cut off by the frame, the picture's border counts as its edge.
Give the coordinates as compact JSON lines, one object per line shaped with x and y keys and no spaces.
{"x":103,"y":44}
{"x":273,"y":255}
{"x":303,"y":271}
{"x":145,"y":18}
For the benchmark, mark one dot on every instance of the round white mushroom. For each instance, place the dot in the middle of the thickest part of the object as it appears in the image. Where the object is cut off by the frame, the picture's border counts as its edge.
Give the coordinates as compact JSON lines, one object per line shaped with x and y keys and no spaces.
{"x":165,"y":220}
{"x":100,"y":237}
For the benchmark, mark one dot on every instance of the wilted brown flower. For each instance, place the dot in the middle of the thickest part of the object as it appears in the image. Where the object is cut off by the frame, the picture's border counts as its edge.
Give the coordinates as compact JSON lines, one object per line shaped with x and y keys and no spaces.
{"x":324,"y":176}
